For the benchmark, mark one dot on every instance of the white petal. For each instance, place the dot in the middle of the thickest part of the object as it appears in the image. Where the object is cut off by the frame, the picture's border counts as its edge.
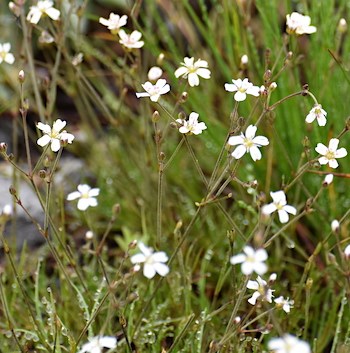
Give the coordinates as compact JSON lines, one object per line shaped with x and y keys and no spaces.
{"x":250,"y":132}
{"x":43,"y":140}
{"x":165,"y":89}
{"x":154,"y":97}
{"x":254,"y":297}
{"x":261,"y":140}
{"x":283,"y":216}
{"x":142,"y":94}
{"x":161,"y":269}
{"x":260,"y":268}
{"x":268,"y":209}
{"x":239,"y":152}
{"x":53,"y":13}
{"x":310,"y":118}
{"x":253,"y":285}
{"x":9,"y":58}
{"x":333,"y":144}
{"x":160,"y":256}
{"x":261,"y":255}
{"x":229,"y":87}
{"x":333,"y":163}
{"x":184,"y":129}
{"x":237,"y":259}
{"x":83,"y":204}
{"x":34,"y":15}
{"x":240,"y":96}
{"x":149,"y":271}
{"x":255,"y":153}
{"x":249,"y":251}
{"x":321,"y":120}
{"x":55,"y":145}
{"x":247,"y":268}
{"x":58,"y":125}
{"x":94,"y":192}
{"x":138,"y":258}
{"x":290,"y":209}
{"x":235,"y":140}
{"x":108,"y":342}
{"x":92,"y":202}
{"x":73,"y":195}
{"x":254,"y":91}
{"x":321,"y":149}
{"x":193,"y":79}
{"x":279,"y":197}
{"x":84,"y":188}
{"x":181,"y":71}
{"x":144,"y":249}
{"x":341,"y":153}
{"x":323,"y":160}
{"x":44,"y":127}
{"x":205,"y":73}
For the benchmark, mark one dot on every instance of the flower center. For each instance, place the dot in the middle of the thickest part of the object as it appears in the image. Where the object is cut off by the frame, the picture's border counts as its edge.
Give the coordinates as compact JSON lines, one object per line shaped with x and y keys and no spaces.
{"x":248,"y":143}
{"x":330,"y":155}
{"x":242,"y":89}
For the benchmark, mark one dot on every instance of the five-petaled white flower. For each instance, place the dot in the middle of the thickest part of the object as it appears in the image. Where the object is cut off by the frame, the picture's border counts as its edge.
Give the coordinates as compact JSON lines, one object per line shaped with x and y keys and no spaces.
{"x":86,"y":196}
{"x":154,"y":91}
{"x":242,"y":88}
{"x":279,"y":204}
{"x":248,"y":142}
{"x":153,"y":261}
{"x":299,"y":24}
{"x":131,"y":41}
{"x":191,"y":126}
{"x":98,"y":343}
{"x":191,"y":70}
{"x":262,"y":291}
{"x":251,"y":260}
{"x":54,"y":135}
{"x":5,"y":54}
{"x":114,"y":22}
{"x":288,"y":344}
{"x":330,"y":153}
{"x":285,"y":304}
{"x":43,"y":7}
{"x":317,"y":113}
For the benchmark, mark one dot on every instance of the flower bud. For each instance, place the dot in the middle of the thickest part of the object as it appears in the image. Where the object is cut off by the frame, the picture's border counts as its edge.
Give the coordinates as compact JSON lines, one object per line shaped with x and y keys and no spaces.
{"x":3,"y":147}
{"x":342,"y":26}
{"x":12,"y":191}
{"x":327,"y":180}
{"x":244,"y":59}
{"x":132,"y":245}
{"x":160,"y":59}
{"x":155,"y":116}
{"x":183,"y":97}
{"x":7,"y":210}
{"x":116,"y":209}
{"x":42,"y":174}
{"x":347,"y":252}
{"x":154,"y":73}
{"x":267,"y":75}
{"x":21,"y":76}
{"x":89,"y":235}
{"x":15,"y":9}
{"x":272,"y":86}
{"x":335,"y":226}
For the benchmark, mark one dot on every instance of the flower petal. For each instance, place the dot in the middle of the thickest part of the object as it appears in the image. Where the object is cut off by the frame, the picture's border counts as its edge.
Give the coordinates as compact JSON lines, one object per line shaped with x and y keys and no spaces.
{"x":240,"y":96}
{"x":239,"y":152}
{"x":342,"y":152}
{"x":237,"y":259}
{"x":255,"y":153}
{"x":193,"y":79}
{"x":161,"y":269}
{"x":283,"y":216}
{"x":43,"y":140}
{"x":149,"y":271}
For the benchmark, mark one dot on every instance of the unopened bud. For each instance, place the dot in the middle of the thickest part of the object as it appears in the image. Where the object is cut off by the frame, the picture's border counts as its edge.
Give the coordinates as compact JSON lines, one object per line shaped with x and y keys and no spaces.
{"x":160,"y":59}
{"x":272,"y":278}
{"x":335,"y":226}
{"x":237,"y":320}
{"x":12,"y":191}
{"x":267,"y":75}
{"x":184,"y":96}
{"x":309,"y":283}
{"x":244,"y":59}
{"x":342,"y":26}
{"x":181,"y":116}
{"x":89,"y":235}
{"x":42,"y":174}
{"x":347,"y":124}
{"x":154,"y":73}
{"x":15,"y":9}
{"x":328,"y":180}
{"x":173,"y":125}
{"x":155,"y":116}
{"x":3,"y":147}
{"x":21,"y":76}
{"x":241,"y":121}
{"x":116,"y":209}
{"x":26,"y":104}
{"x":7,"y":210}
{"x":347,"y":252}
{"x":272,"y":86}
{"x":132,"y":245}
{"x":161,"y":156}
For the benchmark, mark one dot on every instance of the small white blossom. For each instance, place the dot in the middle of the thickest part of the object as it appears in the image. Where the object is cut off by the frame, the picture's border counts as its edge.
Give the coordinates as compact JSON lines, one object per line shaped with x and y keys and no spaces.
{"x":131,"y":41}
{"x":244,"y":59}
{"x":191,"y":126}
{"x":46,"y":38}
{"x":192,"y":70}
{"x":86,"y":196}
{"x":154,"y":73}
{"x":317,"y":113}
{"x":279,"y":204}
{"x":261,"y":291}
{"x":342,"y":25}
{"x":5,"y":54}
{"x":328,"y":179}
{"x":285,"y":304}
{"x":154,"y":262}
{"x":98,"y":343}
{"x":43,"y":7}
{"x":7,"y":210}
{"x":89,"y":235}
{"x":299,"y":24}
{"x":242,"y":88}
{"x":248,"y":142}
{"x":272,"y":277}
{"x":114,"y":22}
{"x":288,"y":344}
{"x":54,"y":135}
{"x":251,"y":260}
{"x":330,"y":153}
{"x":154,"y":91}
{"x":347,"y":252}
{"x":335,"y":226}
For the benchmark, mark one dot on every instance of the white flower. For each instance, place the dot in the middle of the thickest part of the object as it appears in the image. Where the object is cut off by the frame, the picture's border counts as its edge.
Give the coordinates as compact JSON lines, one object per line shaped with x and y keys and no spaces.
{"x":114,"y":22}
{"x":43,"y":7}
{"x":131,"y":41}
{"x":261,"y":290}
{"x":98,"y":343}
{"x":285,"y":304}
{"x":86,"y":196}
{"x":331,"y":153}
{"x":7,"y":210}
{"x":251,"y":260}
{"x":191,"y":70}
{"x":154,"y":73}
{"x":242,"y":88}
{"x":5,"y":54}
{"x":248,"y":142}
{"x":317,"y":113}
{"x":299,"y":24}
{"x":191,"y":126}
{"x":244,"y":59}
{"x":288,"y":344}
{"x":279,"y":204}
{"x":154,"y":91}
{"x":54,"y":135}
{"x":153,"y":261}
{"x":46,"y":38}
